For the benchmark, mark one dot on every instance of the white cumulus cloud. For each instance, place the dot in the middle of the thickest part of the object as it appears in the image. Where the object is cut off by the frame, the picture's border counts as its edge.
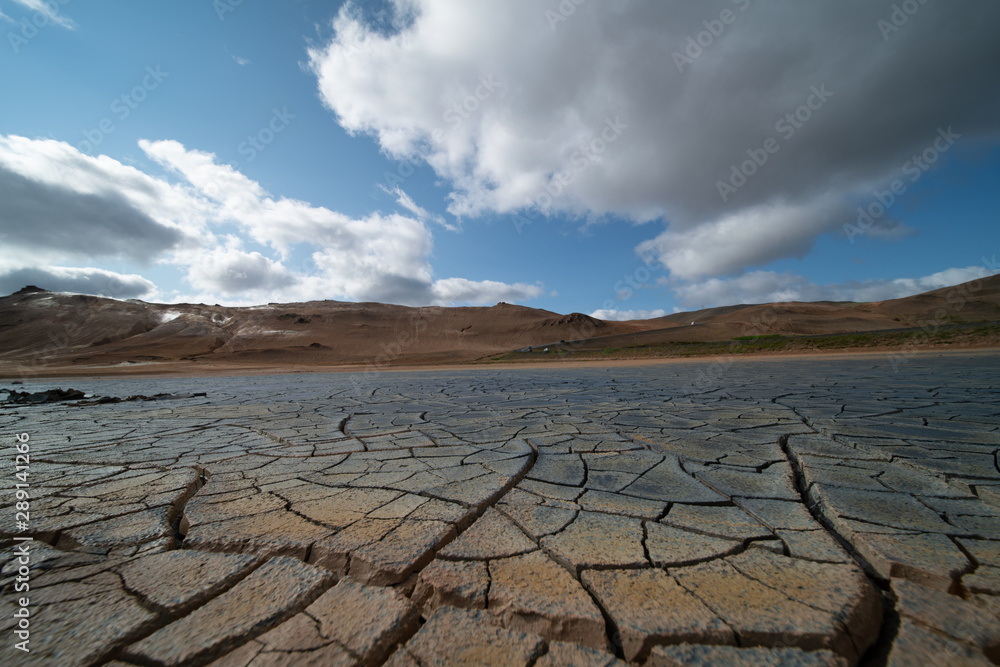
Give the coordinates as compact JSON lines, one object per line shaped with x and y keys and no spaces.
{"x":586,"y":108}
{"x":461,"y":290}
{"x":80,"y":280}
{"x":58,"y":205}
{"x":612,"y":315}
{"x":769,"y":286}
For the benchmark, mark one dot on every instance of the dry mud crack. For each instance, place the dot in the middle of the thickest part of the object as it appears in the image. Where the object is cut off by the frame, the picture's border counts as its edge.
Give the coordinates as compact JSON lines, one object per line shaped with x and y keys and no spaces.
{"x":795,"y":513}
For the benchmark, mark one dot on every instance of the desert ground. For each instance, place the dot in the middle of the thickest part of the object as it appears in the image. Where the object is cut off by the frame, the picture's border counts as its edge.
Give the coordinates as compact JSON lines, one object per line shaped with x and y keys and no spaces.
{"x":792,"y":511}
{"x":362,"y":484}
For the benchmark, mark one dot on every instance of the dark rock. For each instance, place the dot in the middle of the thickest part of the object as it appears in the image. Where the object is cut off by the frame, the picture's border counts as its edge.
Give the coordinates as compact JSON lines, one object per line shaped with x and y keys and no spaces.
{"x":30,"y":289}
{"x":47,"y":396}
{"x":103,"y":400}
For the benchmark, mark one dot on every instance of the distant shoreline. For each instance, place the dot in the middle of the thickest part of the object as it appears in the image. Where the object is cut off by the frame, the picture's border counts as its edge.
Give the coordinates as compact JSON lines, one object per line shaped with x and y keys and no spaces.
{"x":173,"y":369}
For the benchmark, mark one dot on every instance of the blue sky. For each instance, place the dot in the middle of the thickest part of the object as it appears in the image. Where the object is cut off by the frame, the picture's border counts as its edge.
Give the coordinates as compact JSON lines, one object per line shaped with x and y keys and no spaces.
{"x":574,"y":156}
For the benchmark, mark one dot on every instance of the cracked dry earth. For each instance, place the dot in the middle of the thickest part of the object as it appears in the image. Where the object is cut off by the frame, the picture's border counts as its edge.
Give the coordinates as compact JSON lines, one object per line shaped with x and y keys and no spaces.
{"x":792,"y":513}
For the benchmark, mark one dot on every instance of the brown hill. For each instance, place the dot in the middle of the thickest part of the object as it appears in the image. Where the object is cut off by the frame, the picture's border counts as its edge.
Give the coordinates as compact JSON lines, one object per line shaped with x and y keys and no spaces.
{"x":47,"y":330}
{"x":975,"y":301}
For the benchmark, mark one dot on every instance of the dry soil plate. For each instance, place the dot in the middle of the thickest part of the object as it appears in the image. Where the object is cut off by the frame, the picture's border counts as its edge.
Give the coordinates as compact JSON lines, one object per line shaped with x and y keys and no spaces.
{"x":794,"y":513}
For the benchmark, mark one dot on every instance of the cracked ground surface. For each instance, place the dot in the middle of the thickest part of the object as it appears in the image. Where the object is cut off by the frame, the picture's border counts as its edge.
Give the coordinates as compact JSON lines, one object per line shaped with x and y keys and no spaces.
{"x":793,"y":513}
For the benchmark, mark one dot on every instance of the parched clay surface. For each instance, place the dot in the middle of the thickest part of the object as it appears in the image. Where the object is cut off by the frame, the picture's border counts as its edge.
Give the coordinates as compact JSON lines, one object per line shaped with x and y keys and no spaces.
{"x":788,"y":512}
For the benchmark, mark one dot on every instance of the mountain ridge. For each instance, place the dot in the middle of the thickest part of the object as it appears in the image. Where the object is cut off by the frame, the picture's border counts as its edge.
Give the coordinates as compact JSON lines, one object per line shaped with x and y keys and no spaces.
{"x":47,"y":330}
